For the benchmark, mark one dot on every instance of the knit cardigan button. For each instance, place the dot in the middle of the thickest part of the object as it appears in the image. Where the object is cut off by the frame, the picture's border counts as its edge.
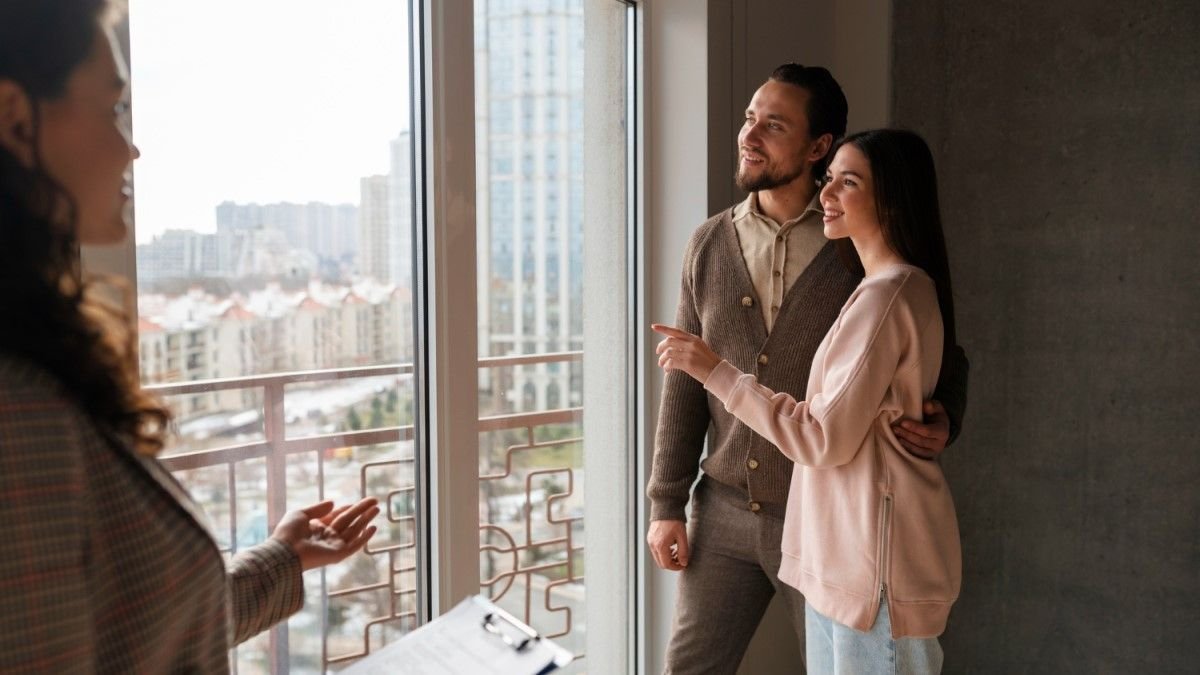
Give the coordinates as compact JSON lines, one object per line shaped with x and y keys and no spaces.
{"x":762,"y":359}
{"x":747,"y":301}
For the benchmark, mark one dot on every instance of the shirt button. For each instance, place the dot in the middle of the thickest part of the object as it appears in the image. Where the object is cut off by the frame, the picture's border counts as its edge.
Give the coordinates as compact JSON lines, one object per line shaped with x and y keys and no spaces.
{"x":777,"y":273}
{"x":774,"y":308}
{"x":753,"y":464}
{"x":779,"y":237}
{"x":755,"y":507}
{"x":747,"y":301}
{"x":762,"y":359}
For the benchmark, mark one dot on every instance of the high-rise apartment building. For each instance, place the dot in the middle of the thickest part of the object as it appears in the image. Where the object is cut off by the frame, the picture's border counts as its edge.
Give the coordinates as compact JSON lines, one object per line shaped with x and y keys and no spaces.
{"x":529,"y":135}
{"x":178,"y":254}
{"x":376,"y":234}
{"x":400,"y":203}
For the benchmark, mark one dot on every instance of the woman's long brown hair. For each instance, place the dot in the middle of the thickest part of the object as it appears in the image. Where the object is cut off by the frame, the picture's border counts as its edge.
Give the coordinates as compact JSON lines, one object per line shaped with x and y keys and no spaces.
{"x":51,"y":317}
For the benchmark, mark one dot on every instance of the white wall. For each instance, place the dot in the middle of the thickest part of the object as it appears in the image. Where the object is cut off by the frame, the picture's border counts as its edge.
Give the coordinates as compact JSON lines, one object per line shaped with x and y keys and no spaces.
{"x":675,"y":185}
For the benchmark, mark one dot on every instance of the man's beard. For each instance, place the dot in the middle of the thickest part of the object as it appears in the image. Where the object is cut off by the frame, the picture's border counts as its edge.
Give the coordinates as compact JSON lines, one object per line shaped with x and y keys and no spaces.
{"x":767,"y":180}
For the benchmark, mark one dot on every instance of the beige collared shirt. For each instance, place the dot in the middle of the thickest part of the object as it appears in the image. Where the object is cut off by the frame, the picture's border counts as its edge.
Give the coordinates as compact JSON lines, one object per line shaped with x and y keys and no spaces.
{"x":776,"y":255}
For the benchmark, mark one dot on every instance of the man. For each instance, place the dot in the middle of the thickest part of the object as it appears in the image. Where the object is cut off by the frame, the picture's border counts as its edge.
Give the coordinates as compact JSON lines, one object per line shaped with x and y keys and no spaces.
{"x":762,"y":286}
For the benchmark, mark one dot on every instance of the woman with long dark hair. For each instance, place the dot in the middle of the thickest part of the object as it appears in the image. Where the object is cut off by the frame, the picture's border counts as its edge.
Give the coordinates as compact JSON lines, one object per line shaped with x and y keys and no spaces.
{"x":105,"y":562}
{"x":870,"y":534}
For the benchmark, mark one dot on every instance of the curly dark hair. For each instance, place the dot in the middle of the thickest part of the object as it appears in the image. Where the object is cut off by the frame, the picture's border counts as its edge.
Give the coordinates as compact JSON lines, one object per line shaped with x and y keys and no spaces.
{"x":55,"y":319}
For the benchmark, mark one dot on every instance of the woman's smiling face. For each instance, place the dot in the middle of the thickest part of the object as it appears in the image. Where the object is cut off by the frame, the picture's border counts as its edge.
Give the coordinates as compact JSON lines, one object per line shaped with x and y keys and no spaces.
{"x":848,"y":197}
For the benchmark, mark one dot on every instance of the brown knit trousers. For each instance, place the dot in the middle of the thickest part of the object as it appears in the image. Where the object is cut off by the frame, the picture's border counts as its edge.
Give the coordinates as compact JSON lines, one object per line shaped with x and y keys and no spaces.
{"x":731,"y":576}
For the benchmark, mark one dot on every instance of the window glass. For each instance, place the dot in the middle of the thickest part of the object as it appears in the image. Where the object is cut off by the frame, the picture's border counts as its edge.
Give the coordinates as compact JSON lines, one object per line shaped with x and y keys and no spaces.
{"x":531,"y":487}
{"x":273,"y":227}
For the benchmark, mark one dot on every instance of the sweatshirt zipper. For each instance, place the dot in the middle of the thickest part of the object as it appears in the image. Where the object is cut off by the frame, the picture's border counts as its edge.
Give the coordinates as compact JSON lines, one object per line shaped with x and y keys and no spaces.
{"x":884,"y":541}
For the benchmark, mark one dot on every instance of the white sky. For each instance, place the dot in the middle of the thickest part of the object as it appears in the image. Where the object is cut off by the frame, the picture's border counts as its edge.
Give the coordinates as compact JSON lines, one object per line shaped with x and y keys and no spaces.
{"x":261,"y":101}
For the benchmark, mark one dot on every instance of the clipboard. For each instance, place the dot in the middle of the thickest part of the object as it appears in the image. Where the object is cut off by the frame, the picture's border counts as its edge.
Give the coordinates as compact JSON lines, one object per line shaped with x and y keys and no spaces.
{"x":475,"y":638}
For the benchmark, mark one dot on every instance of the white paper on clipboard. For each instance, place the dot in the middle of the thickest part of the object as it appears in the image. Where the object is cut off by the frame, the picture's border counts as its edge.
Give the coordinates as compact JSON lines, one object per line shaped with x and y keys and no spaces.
{"x":475,"y":638}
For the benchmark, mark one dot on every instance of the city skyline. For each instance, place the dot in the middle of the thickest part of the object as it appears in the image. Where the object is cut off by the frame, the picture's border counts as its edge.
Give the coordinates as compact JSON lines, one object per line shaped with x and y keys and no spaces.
{"x":529,"y":201}
{"x":218,"y":119}
{"x":365,"y":238}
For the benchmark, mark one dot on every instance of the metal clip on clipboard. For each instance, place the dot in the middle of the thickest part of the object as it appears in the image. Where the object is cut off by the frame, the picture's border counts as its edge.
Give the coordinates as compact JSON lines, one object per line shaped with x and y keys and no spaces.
{"x":528,"y":634}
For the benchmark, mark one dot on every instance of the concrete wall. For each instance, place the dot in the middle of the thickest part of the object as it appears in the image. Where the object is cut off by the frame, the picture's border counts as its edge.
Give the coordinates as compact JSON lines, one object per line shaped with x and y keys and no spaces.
{"x":1069,"y":159}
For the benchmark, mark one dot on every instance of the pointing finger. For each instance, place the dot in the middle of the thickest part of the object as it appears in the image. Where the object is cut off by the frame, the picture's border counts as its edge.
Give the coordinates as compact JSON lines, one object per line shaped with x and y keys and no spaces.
{"x":669,"y":331}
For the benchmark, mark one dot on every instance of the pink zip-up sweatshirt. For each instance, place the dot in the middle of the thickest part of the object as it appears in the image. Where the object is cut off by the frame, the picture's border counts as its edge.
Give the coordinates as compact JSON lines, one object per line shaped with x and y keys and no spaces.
{"x":865,"y":519}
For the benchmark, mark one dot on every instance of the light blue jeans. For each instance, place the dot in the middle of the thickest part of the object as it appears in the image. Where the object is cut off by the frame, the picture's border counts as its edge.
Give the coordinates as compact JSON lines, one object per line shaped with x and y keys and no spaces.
{"x":834,"y":649}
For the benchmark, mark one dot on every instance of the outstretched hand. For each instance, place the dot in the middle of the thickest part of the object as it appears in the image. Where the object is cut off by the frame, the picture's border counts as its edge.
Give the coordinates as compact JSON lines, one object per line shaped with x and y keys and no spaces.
{"x":926,"y":440}
{"x":681,"y":350}
{"x":321,"y":534}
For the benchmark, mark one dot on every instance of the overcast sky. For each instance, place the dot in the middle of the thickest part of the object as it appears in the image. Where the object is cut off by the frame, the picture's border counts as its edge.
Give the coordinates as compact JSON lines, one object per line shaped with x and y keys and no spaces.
{"x":261,"y":101}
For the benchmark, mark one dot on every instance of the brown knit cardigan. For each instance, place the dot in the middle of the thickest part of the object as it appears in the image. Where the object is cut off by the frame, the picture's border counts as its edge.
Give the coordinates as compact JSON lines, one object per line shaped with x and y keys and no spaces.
{"x":717,"y":302}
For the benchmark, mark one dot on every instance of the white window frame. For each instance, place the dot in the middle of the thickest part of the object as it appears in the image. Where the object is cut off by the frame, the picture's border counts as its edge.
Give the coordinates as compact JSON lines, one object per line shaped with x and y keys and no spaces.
{"x":613,"y":379}
{"x":445,"y":292}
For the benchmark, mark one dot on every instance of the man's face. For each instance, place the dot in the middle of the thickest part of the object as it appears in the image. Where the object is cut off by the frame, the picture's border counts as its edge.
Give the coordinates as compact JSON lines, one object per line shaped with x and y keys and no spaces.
{"x":774,"y":146}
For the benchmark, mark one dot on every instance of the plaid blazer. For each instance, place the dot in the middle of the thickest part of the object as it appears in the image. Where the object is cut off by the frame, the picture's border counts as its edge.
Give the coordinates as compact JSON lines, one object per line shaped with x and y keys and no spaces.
{"x":105,"y":562}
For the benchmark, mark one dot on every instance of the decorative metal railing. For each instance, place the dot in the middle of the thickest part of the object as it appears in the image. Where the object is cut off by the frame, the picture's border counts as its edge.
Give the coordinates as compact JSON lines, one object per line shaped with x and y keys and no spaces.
{"x":536,"y":551}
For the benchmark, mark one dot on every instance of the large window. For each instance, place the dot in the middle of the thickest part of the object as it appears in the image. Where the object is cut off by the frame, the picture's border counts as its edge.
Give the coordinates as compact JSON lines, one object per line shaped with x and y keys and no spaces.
{"x":274,"y":266}
{"x":287,"y":264}
{"x":532,"y":483}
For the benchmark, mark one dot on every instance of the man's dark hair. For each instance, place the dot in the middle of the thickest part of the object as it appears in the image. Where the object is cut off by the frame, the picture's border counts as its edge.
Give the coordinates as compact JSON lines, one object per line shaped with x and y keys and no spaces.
{"x":827,"y":107}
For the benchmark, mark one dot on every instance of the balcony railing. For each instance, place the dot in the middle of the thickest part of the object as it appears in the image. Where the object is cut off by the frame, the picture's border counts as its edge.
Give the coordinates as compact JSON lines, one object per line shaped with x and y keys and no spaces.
{"x":539,"y":552}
